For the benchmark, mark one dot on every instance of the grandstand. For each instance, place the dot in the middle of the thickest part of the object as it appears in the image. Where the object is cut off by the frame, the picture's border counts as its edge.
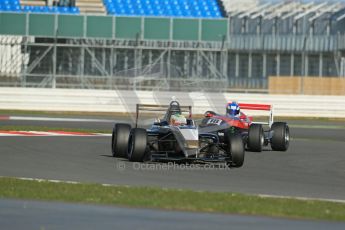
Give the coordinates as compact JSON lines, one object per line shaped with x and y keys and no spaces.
{"x":165,"y":8}
{"x":35,"y":6}
{"x":214,"y":45}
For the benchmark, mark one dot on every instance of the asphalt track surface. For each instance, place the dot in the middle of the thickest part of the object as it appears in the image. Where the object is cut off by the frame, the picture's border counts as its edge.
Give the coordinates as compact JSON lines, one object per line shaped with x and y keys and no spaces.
{"x":314,"y":165}
{"x":51,"y":215}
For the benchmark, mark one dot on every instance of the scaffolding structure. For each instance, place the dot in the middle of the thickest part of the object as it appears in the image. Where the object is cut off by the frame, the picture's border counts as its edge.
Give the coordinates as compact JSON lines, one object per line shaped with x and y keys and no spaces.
{"x":280,"y":39}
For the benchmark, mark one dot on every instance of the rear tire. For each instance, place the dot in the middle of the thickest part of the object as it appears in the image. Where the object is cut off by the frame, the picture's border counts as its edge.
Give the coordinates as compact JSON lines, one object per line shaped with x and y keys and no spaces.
{"x":236,"y":148}
{"x":255,"y":137}
{"x":281,"y":136}
{"x":137,"y":145}
{"x":119,"y":140}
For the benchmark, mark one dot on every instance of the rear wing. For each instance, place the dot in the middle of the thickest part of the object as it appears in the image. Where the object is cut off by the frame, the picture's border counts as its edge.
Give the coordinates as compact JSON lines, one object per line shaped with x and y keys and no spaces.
{"x":262,"y":107}
{"x":159,"y":108}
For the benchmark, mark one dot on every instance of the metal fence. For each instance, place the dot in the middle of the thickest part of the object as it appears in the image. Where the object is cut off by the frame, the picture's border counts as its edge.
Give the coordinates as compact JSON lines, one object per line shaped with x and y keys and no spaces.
{"x":234,"y":54}
{"x":97,"y":65}
{"x":100,"y":64}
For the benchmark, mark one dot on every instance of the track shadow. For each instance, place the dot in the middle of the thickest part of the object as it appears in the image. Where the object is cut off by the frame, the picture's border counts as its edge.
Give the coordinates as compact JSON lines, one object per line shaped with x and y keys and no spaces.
{"x":104,"y":155}
{"x":116,"y":158}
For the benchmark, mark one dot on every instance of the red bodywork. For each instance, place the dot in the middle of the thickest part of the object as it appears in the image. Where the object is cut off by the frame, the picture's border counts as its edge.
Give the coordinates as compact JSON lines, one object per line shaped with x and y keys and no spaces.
{"x":243,"y":121}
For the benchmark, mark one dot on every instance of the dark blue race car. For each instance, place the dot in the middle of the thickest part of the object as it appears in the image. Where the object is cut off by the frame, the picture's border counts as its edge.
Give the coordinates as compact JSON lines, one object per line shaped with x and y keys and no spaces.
{"x":174,"y":137}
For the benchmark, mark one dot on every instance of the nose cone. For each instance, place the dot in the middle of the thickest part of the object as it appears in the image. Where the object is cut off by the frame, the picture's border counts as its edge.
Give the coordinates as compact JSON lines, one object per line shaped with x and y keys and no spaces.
{"x":191,"y":137}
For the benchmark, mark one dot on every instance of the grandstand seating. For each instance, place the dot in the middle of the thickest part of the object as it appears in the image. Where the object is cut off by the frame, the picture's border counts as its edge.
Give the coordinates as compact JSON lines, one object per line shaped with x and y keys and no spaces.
{"x":165,"y":8}
{"x":95,"y":7}
{"x":160,"y":8}
{"x":53,"y":9}
{"x":33,"y":2}
{"x":10,"y":5}
{"x":15,"y":6}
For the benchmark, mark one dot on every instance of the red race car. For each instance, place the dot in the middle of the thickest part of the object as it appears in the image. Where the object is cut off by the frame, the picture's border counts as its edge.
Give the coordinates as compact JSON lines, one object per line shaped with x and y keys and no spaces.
{"x":255,"y":137}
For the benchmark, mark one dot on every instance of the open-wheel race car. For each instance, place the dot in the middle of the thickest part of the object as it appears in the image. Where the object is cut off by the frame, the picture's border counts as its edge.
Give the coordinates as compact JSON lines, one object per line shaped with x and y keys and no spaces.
{"x":174,"y":137}
{"x":254,"y":136}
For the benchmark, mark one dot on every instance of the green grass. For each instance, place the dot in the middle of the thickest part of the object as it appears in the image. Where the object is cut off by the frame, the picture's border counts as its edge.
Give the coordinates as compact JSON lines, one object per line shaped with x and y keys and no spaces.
{"x":171,"y":199}
{"x":60,"y":113}
{"x":46,"y":128}
{"x":318,"y":126}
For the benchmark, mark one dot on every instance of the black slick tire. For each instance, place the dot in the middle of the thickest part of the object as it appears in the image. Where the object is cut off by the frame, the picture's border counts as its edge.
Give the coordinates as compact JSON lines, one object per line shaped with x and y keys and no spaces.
{"x":281,"y":136}
{"x":255,"y":137}
{"x":119,"y":140}
{"x":137,"y":145}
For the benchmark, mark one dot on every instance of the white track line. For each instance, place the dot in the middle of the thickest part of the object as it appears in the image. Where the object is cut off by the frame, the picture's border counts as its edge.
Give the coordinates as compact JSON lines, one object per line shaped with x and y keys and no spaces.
{"x":300,"y":198}
{"x":51,"y":133}
{"x":259,"y":195}
{"x":22,"y":118}
{"x":57,"y":181}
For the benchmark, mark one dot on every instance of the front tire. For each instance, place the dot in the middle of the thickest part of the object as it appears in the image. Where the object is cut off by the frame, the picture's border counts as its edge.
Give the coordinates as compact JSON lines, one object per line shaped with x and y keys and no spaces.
{"x":137,"y":145}
{"x":281,"y":136}
{"x":236,"y":148}
{"x":119,"y":140}
{"x":255,"y":137}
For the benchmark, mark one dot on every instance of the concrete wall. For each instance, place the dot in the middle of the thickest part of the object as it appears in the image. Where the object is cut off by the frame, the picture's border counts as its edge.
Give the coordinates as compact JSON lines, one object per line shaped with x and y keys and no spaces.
{"x":125,"y":101}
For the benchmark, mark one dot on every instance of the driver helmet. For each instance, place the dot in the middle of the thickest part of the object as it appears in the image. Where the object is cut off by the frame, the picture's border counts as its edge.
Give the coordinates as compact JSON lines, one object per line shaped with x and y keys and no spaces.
{"x":178,"y":119}
{"x":233,"y":109}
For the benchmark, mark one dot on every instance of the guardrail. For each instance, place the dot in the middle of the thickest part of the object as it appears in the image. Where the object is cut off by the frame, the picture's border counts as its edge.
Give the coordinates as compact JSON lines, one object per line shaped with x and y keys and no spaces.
{"x":125,"y":101}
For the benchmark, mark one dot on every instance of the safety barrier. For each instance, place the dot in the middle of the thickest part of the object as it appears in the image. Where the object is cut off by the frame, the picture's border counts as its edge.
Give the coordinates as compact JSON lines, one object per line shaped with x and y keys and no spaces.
{"x":125,"y":101}
{"x":129,"y":28}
